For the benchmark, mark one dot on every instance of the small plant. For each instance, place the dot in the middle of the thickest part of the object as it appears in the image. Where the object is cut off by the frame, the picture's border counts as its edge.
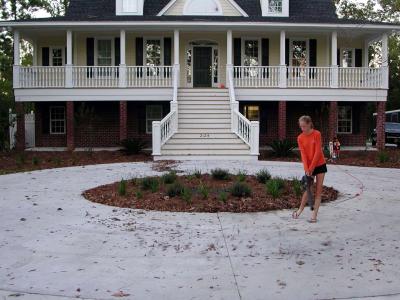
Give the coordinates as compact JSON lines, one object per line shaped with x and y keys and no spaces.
{"x":240,"y":189}
{"x":223,"y":196}
{"x":274,"y":187}
{"x":263,"y":176}
{"x":139,"y":194}
{"x":35,"y":161}
{"x":383,"y":157}
{"x":220,"y":174}
{"x":176,"y":189}
{"x":282,"y":148}
{"x":57,"y":161}
{"x":20,"y":159}
{"x":170,"y":177}
{"x":204,"y":191}
{"x":187,"y":195}
{"x":197,"y":174}
{"x":149,"y":183}
{"x":133,"y":146}
{"x":241,"y":176}
{"x":297,"y":187}
{"x":122,"y":188}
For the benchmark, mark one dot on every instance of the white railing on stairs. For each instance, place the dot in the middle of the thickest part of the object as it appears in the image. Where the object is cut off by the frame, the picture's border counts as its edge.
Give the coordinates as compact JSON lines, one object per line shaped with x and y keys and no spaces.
{"x":248,"y":131}
{"x":163,"y":130}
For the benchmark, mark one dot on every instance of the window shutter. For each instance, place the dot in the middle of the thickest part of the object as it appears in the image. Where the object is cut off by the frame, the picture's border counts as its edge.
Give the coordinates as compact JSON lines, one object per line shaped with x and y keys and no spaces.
{"x":265,"y":56}
{"x":237,"y":52}
{"x":356,"y":119}
{"x":338,"y":57}
{"x":90,"y":51}
{"x":139,"y":51}
{"x":313,"y":52}
{"x":358,"y":58}
{"x":45,"y":56}
{"x":168,"y":52}
{"x":117,"y":49}
{"x":287,"y":52}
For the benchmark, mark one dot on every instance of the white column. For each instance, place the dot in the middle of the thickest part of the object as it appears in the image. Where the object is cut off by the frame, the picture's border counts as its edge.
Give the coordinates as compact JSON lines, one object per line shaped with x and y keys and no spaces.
{"x":255,"y":138}
{"x":157,"y":138}
{"x":229,"y":55}
{"x":385,"y":60}
{"x":68,"y":67}
{"x":334,"y":59}
{"x":17,"y":58}
{"x":282,"y":60}
{"x":122,"y":66}
{"x":176,"y":56}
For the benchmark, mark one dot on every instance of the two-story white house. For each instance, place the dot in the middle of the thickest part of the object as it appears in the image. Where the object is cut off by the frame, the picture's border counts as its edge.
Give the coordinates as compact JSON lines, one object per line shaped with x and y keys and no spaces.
{"x":199,"y":78}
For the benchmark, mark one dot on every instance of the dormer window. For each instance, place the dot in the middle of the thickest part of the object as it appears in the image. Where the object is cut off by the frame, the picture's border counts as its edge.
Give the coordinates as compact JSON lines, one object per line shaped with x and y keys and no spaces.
{"x":203,"y":8}
{"x":275,"y":8}
{"x":129,"y":7}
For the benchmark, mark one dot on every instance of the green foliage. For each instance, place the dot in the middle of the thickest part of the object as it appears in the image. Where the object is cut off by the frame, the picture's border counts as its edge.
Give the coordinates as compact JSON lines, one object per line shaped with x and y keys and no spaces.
{"x":122,"y":188}
{"x":383,"y":157}
{"x":170,"y":177}
{"x":263,"y":176}
{"x":241,"y":176}
{"x":139,"y":194}
{"x":57,"y":161}
{"x":240,"y":189}
{"x":220,"y":174}
{"x":149,"y":184}
{"x":176,"y":189}
{"x":35,"y":161}
{"x":223,"y":196}
{"x":297,"y":187}
{"x":197,"y":174}
{"x":274,"y":187}
{"x":282,"y":148}
{"x":133,"y":146}
{"x":204,"y":191}
{"x":187,"y":195}
{"x":20,"y":159}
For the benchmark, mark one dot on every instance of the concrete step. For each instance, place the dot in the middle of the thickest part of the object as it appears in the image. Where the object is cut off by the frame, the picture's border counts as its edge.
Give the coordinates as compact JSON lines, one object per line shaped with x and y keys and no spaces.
{"x":207,"y":112}
{"x":204,"y":126}
{"x":204,"y":121}
{"x":186,"y":152}
{"x":200,"y":131}
{"x":201,"y":136}
{"x":205,"y":147}
{"x":204,"y":106}
{"x":204,"y":141}
{"x":222,"y":157}
{"x":206,"y":90}
{"x":201,"y":100}
{"x":204,"y":116}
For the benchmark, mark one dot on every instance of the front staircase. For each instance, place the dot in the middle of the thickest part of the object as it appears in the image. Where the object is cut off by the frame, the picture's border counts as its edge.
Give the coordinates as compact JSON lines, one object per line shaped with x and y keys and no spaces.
{"x":204,"y":128}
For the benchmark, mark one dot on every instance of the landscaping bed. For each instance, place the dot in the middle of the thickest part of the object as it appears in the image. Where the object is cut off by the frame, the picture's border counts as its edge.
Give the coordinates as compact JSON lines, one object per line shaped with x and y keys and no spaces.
{"x":13,"y":162}
{"x":211,"y":193}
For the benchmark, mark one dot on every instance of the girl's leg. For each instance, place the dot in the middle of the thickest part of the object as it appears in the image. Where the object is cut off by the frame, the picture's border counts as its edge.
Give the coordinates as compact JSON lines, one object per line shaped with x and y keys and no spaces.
{"x":302,"y":205}
{"x":318,"y":195}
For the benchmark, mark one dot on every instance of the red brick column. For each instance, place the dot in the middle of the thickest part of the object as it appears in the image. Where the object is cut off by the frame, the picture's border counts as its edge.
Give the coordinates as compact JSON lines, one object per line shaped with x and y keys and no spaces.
{"x":20,"y":136}
{"x":282,"y":120}
{"x":70,"y":126}
{"x":380,"y":125}
{"x":333,"y":119}
{"x":123,"y":120}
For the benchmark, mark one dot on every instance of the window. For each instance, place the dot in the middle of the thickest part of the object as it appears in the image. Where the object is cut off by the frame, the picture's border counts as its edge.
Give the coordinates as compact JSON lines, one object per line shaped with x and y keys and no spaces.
{"x":345,"y":119}
{"x":129,"y":7}
{"x":299,"y":53}
{"x":347,"y":59}
{"x":104,"y":52}
{"x":57,"y":57}
{"x":153,"y":49}
{"x":57,"y":120}
{"x":251,"y":53}
{"x":275,"y":6}
{"x":189,"y":66}
{"x":252,"y":112}
{"x":153,"y":113}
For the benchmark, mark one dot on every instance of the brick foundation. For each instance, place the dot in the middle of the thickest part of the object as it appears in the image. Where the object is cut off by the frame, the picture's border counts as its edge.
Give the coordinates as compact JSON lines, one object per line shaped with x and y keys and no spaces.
{"x":70,"y":126}
{"x":380,"y":125}
{"x":282,"y":120}
{"x":20,"y":136}
{"x":333,"y":119}
{"x":123,"y":120}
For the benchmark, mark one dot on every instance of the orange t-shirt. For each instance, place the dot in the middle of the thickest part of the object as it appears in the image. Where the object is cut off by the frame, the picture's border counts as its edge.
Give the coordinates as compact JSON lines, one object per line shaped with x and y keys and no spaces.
{"x":311,"y":150}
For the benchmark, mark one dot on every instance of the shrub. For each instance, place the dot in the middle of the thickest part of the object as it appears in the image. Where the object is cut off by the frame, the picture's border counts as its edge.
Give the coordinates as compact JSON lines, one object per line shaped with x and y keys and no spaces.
{"x":297,"y":187}
{"x":187,"y":195}
{"x":149,"y":183}
{"x":223,"y":196}
{"x":197,"y":174}
{"x":133,"y":146}
{"x":122,"y":188}
{"x":282,"y":148}
{"x":57,"y":161}
{"x":240,"y":189}
{"x":383,"y":157}
{"x":274,"y":187}
{"x":20,"y":159}
{"x":35,"y":161}
{"x":176,"y":189}
{"x":263,"y":176}
{"x":170,"y":177}
{"x":220,"y":174}
{"x":139,"y":194}
{"x":204,"y":191}
{"x":241,"y":176}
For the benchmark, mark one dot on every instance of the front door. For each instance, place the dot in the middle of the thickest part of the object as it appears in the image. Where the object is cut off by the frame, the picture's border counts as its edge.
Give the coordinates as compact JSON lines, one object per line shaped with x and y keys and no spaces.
{"x":202,"y":67}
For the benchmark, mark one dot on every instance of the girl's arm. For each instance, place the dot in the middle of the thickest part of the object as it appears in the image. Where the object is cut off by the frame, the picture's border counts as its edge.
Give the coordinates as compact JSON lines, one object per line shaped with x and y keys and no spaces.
{"x":303,"y":156}
{"x":317,"y":152}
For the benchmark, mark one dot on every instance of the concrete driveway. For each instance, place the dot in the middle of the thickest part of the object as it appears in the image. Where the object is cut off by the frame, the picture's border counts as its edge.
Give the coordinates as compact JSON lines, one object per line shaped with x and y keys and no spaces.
{"x":56,"y":245}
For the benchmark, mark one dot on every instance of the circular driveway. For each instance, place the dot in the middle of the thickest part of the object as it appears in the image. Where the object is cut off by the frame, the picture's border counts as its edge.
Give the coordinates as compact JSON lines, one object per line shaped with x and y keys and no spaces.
{"x":55,"y":244}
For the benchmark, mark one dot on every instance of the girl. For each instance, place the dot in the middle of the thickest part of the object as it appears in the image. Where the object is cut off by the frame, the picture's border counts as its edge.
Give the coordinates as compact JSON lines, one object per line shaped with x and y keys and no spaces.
{"x":314,"y":162}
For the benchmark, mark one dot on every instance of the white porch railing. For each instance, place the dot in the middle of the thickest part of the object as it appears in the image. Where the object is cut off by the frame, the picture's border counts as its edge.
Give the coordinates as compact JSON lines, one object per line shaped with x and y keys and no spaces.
{"x":361,"y":77}
{"x":309,"y":77}
{"x":163,"y":130}
{"x":248,"y":131}
{"x":149,"y":76}
{"x":88,"y":77}
{"x":41,"y":77}
{"x":256,"y":76}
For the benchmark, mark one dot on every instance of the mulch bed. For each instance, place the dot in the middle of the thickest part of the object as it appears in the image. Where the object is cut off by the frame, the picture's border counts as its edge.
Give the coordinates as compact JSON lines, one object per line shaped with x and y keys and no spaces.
{"x":390,"y":158}
{"x":259,"y":201}
{"x":14,"y":162}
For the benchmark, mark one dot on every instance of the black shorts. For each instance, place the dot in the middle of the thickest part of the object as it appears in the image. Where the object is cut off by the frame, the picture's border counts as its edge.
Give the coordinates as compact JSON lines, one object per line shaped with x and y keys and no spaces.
{"x":322,"y":169}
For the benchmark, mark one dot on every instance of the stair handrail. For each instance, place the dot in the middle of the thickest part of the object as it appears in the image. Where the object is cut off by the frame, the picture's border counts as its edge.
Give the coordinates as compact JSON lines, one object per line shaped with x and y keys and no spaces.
{"x":163,"y":130}
{"x":248,"y":131}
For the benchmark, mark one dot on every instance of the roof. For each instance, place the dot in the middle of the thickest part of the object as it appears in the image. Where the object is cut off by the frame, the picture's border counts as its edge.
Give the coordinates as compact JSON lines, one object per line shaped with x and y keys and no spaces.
{"x":300,"y":11}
